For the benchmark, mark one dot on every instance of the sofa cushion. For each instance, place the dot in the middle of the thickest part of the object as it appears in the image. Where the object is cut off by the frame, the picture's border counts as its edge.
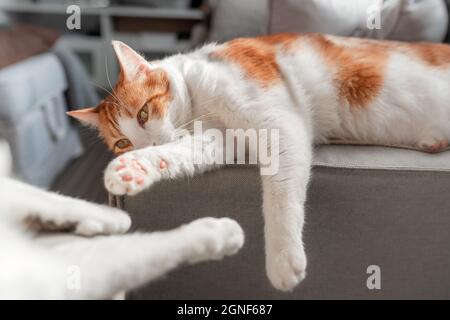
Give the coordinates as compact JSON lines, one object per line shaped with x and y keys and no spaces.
{"x":236,"y":18}
{"x":355,"y":218}
{"x":414,"y":20}
{"x":374,"y":157}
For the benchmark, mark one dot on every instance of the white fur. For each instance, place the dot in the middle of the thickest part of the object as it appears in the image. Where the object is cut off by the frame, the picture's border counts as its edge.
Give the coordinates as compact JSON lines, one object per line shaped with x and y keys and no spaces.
{"x":40,"y":268}
{"x":413,"y":108}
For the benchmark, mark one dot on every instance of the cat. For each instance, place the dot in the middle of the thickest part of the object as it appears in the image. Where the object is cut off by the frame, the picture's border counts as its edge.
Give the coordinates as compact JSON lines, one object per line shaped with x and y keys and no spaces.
{"x":313,"y":88}
{"x":47,"y":267}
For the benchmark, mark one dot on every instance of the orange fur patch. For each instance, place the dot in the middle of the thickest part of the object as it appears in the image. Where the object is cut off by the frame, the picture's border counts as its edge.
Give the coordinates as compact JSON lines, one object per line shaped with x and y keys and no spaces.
{"x":360,"y":65}
{"x":257,"y":56}
{"x":286,"y":40}
{"x":128,"y":98}
{"x":358,"y":70}
{"x":434,"y":54}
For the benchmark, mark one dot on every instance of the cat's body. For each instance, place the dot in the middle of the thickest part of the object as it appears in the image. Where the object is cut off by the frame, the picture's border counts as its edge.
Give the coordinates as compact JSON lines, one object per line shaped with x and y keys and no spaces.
{"x":313,"y":88}
{"x":367,"y":91}
{"x":73,"y":267}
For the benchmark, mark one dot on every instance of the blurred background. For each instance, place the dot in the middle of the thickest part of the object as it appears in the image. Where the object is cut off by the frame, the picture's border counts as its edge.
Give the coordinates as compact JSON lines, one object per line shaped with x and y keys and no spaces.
{"x":55,"y":56}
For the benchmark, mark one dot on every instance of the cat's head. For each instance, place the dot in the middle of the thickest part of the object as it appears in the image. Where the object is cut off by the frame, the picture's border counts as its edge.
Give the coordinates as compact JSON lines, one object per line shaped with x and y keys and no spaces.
{"x":143,"y":106}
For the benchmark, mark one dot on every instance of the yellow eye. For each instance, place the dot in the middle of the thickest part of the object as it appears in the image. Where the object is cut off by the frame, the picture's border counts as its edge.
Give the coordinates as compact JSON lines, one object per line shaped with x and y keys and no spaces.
{"x":142,"y":115}
{"x":123,"y":144}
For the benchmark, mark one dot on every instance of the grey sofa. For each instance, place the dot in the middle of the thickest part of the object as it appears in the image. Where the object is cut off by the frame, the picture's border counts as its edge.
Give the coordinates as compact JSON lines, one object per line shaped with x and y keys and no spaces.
{"x":366,"y":207}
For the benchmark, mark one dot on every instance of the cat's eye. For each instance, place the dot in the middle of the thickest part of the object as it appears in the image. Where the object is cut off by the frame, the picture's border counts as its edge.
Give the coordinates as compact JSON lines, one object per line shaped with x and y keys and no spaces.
{"x":142,"y":115}
{"x":123,"y":144}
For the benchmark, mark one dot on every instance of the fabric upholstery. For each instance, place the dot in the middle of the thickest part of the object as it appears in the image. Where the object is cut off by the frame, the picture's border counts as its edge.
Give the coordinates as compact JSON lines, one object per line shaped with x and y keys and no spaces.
{"x":404,"y":20}
{"x":397,"y":220}
{"x":33,"y":119}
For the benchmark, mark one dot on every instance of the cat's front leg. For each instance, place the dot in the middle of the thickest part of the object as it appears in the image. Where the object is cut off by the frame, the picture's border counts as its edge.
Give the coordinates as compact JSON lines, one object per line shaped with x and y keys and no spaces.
{"x":137,"y":170}
{"x":284,"y":195}
{"x":132,"y":260}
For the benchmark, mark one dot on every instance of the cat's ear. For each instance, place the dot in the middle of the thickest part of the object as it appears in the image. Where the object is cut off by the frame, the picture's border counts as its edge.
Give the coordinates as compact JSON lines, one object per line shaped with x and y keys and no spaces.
{"x":88,"y":116}
{"x":131,"y":63}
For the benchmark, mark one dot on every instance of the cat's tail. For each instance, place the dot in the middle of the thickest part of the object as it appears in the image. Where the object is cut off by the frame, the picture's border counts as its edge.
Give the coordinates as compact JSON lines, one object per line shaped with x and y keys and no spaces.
{"x":5,"y":159}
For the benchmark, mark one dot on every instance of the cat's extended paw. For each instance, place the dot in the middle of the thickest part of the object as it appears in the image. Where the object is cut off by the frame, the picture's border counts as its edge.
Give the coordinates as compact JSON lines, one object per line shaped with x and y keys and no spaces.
{"x":286,"y":267}
{"x":129,"y":174}
{"x":215,"y":238}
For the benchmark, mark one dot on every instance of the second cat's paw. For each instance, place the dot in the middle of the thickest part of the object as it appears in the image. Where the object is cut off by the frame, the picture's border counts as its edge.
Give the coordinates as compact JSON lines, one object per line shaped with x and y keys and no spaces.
{"x":286,"y":267}
{"x":104,"y":220}
{"x":215,"y":238}
{"x":82,"y":218}
{"x":128,"y":174}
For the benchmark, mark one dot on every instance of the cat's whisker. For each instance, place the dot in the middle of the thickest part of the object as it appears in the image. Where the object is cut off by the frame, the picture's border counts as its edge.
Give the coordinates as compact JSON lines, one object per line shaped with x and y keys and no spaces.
{"x":114,"y":94}
{"x":107,"y":91}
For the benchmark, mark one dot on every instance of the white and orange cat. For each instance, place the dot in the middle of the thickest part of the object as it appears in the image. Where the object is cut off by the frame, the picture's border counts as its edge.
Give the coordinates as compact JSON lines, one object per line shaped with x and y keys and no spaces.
{"x":312,"y":88}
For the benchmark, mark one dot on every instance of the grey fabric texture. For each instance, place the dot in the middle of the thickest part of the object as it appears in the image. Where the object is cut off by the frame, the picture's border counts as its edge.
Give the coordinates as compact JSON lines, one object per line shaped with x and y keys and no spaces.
{"x":33,"y":119}
{"x":26,"y":77}
{"x":374,"y":157}
{"x":405,"y":20}
{"x":355,"y":218}
{"x":237,"y":18}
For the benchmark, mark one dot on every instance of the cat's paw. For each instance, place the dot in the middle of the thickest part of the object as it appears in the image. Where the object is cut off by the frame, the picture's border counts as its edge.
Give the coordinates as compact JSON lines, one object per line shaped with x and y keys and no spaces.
{"x":433,"y":145}
{"x":129,"y":174}
{"x":110,"y":221}
{"x":215,"y":238}
{"x":81,"y":218}
{"x":286,"y":267}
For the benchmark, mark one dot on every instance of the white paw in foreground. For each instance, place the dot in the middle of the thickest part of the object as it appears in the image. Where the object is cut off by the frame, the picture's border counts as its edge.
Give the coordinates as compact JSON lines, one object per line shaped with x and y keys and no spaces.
{"x":81,"y":218}
{"x":286,"y":268}
{"x":214,"y":238}
{"x":106,"y":221}
{"x":130,"y":175}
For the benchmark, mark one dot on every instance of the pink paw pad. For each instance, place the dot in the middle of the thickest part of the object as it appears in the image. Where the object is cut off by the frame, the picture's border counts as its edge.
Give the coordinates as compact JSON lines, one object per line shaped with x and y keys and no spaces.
{"x":140,"y":180}
{"x":127,"y":178}
{"x":122,"y":166}
{"x":138,"y":166}
{"x":163,"y":165}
